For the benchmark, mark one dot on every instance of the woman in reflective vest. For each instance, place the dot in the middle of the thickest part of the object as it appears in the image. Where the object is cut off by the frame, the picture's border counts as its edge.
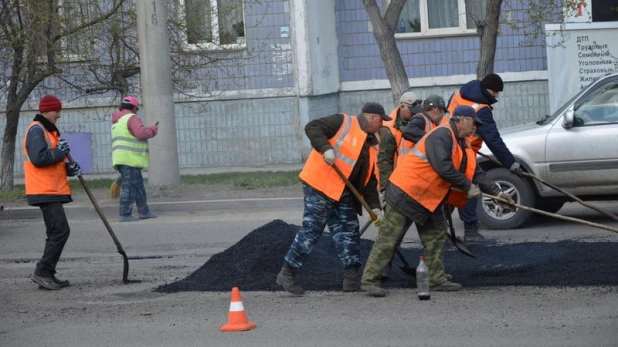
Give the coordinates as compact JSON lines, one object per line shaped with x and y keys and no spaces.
{"x":126,"y":148}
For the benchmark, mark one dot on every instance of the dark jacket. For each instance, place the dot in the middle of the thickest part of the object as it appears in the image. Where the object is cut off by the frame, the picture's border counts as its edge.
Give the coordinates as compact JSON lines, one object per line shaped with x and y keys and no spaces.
{"x":41,"y":155}
{"x":439,"y":147}
{"x":387,"y":149}
{"x":320,"y":130}
{"x":415,"y":130}
{"x":488,"y":131}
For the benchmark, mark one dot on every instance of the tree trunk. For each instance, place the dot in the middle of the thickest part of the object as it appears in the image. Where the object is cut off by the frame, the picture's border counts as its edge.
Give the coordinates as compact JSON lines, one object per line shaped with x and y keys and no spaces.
{"x":385,"y":38}
{"x":488,"y":31}
{"x":8,"y":149}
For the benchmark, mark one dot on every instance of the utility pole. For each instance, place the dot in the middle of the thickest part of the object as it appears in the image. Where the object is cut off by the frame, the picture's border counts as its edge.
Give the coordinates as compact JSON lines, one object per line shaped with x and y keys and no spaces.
{"x":156,"y":87}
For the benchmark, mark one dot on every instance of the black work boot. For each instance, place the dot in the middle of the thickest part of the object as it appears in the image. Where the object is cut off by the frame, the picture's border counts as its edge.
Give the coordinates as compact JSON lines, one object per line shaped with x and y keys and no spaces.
{"x":472,"y":236}
{"x":352,"y":278}
{"x":287,"y":279}
{"x":45,"y":282}
{"x":61,"y":283}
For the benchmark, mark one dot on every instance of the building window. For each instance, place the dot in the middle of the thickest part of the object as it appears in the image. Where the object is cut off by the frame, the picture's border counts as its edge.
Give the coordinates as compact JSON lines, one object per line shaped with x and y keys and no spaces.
{"x":213,"y":23}
{"x":77,"y":46}
{"x":439,"y":17}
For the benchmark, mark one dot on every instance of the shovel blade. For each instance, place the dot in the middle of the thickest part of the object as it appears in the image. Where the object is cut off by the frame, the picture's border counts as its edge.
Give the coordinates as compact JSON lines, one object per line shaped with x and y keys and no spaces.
{"x":461,"y":246}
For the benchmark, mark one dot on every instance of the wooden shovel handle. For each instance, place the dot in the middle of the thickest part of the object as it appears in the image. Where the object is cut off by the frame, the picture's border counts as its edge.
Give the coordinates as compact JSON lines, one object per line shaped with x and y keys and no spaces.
{"x":555,"y":215}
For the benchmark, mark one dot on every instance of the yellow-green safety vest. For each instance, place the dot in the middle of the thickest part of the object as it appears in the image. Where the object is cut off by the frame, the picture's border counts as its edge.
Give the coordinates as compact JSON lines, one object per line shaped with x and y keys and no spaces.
{"x":126,"y":148}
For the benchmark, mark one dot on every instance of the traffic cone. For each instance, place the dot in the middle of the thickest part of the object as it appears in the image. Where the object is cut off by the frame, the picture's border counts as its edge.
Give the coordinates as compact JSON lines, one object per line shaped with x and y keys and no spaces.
{"x":237,"y":318}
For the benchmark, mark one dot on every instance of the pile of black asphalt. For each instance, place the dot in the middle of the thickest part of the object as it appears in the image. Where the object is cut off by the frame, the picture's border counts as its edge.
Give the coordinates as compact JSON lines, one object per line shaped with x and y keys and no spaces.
{"x":253,"y":262}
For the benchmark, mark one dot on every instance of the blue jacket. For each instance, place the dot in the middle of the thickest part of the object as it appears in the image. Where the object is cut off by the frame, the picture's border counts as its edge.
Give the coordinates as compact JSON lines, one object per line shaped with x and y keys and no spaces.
{"x":488,"y":131}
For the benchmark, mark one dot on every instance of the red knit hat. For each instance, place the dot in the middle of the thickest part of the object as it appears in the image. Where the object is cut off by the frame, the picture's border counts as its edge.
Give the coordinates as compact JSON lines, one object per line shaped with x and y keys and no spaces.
{"x":49,"y":103}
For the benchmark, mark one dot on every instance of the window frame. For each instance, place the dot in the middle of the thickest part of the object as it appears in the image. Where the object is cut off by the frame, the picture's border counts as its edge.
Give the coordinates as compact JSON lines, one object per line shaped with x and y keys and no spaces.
{"x":241,"y":42}
{"x":462,"y":30}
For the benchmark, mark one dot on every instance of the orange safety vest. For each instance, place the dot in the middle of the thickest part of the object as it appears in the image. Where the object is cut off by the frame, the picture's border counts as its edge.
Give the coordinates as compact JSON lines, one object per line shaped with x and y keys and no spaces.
{"x":47,"y":180}
{"x":415,"y":176}
{"x":476,"y":142}
{"x":347,"y":143}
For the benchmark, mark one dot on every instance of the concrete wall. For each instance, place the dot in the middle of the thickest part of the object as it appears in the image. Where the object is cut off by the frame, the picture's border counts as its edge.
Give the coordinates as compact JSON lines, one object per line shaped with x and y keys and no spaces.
{"x":268,"y":131}
{"x":359,"y":56}
{"x":260,"y":102}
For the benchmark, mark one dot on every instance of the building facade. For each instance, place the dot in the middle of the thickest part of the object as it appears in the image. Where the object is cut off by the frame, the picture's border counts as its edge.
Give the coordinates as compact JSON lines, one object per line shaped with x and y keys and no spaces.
{"x":299,"y":60}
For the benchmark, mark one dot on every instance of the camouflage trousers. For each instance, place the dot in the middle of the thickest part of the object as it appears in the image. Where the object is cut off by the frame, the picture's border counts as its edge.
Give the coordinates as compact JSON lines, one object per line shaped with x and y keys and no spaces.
{"x":342,"y":221}
{"x":392,"y":230}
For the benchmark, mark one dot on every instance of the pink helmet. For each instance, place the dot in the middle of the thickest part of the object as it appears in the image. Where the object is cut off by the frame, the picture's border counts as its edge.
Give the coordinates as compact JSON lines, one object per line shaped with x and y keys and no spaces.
{"x":131,"y":101}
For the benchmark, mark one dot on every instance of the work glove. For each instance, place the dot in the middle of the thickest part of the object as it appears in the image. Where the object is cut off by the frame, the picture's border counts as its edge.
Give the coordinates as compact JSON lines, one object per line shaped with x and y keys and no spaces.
{"x":74,"y":169}
{"x":507,"y":197}
{"x":63,"y":146}
{"x":516,"y":169}
{"x":115,"y":187}
{"x":329,"y":156}
{"x":379,"y":214}
{"x":474,"y":192}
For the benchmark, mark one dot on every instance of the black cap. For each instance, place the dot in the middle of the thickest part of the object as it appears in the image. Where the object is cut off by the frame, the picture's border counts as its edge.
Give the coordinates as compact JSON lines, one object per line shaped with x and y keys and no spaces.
{"x":493,"y":82}
{"x":435,"y":101}
{"x":466,"y":111}
{"x":375,"y":108}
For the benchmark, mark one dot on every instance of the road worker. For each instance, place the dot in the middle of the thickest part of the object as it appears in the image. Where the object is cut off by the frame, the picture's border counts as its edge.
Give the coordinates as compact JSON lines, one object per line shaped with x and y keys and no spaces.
{"x":349,"y":143}
{"x":438,"y":170}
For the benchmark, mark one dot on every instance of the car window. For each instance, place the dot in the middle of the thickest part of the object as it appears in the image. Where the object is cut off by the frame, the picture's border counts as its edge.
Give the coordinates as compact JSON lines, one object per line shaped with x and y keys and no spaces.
{"x":600,"y":107}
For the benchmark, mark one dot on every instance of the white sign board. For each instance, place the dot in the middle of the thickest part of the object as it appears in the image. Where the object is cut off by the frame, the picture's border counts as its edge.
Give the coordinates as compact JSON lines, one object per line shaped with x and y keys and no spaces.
{"x":576,"y":55}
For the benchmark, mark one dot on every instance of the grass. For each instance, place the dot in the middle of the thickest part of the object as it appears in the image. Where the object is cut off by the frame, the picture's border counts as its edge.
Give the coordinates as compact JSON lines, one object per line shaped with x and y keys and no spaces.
{"x":235,"y":180}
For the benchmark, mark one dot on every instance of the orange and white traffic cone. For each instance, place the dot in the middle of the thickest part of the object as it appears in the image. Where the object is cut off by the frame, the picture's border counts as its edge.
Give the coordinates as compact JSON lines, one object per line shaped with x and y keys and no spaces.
{"x":237,"y":318}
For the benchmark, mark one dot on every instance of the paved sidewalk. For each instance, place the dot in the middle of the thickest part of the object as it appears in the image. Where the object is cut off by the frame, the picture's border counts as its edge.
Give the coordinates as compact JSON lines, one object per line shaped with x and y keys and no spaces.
{"x":181,"y":198}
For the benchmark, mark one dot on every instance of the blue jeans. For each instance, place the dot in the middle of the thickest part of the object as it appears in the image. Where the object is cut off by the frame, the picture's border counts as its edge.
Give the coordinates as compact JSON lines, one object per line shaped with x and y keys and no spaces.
{"x":132,"y":191}
{"x":342,"y":221}
{"x":468,"y":213}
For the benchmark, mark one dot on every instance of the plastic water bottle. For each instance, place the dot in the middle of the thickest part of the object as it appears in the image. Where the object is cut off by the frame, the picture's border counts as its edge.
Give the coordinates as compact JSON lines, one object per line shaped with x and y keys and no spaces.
{"x":402,"y":26}
{"x":422,"y":280}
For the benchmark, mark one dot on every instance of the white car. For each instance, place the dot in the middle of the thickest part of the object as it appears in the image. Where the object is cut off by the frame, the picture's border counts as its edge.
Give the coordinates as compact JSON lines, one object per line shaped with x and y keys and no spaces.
{"x":575,"y":149}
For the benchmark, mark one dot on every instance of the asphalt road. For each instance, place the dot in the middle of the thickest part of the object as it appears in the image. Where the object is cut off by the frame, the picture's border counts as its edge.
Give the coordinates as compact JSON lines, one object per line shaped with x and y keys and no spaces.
{"x":98,"y":310}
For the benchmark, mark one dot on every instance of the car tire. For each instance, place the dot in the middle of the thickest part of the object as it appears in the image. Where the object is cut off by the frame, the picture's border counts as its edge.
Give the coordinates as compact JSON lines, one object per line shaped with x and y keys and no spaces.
{"x":551,"y":205}
{"x":492,"y":215}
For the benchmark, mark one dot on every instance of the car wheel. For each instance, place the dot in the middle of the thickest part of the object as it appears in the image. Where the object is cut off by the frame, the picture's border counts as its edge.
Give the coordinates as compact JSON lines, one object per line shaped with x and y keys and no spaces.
{"x":493,"y":215}
{"x":551,"y":205}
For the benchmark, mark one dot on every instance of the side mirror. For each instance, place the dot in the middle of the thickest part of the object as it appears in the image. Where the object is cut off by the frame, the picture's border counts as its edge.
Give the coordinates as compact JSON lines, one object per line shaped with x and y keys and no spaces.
{"x":569,"y":116}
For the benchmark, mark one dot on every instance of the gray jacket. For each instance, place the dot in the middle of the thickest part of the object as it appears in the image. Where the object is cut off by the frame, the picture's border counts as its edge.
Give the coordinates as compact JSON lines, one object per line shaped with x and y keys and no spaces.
{"x":439,"y":146}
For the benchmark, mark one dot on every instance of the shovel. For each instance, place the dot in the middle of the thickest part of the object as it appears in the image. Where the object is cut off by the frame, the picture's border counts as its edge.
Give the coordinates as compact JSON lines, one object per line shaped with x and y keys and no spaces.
{"x":406,"y":266}
{"x":125,"y":271}
{"x":527,"y":174}
{"x":571,"y":219}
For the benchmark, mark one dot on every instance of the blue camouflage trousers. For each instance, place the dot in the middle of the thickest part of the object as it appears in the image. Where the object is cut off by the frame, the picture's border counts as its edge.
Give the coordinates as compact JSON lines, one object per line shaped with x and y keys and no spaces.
{"x":132,"y":191}
{"x":342,"y":221}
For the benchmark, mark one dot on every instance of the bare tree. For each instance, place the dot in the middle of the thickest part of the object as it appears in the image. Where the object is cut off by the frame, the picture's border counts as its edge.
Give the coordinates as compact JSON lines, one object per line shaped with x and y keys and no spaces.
{"x":384,"y":33}
{"x":31,"y":37}
{"x":533,"y":15}
{"x":90,"y":47}
{"x":488,"y":30}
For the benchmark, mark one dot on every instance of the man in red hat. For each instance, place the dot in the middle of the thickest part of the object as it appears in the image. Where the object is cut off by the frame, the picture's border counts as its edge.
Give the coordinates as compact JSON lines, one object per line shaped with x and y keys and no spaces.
{"x":130,"y":157}
{"x":46,"y":170}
